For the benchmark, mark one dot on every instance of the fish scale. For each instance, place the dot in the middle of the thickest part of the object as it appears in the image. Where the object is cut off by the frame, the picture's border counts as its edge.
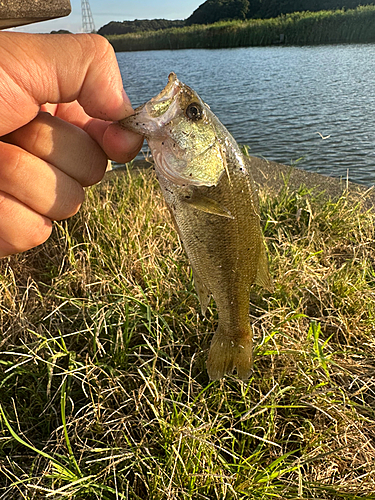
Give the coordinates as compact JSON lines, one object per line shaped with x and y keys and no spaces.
{"x":207,"y":184}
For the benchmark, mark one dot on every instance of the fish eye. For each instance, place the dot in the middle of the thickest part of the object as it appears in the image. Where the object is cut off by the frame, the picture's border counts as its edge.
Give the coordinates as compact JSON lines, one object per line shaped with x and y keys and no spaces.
{"x":194,"y":111}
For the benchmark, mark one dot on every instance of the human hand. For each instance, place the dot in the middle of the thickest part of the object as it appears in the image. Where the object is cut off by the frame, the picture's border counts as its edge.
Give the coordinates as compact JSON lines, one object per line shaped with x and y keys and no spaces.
{"x":58,"y":97}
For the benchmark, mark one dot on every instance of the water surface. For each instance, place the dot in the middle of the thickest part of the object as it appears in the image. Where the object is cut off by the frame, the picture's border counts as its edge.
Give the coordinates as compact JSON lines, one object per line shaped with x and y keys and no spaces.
{"x":310,"y":105}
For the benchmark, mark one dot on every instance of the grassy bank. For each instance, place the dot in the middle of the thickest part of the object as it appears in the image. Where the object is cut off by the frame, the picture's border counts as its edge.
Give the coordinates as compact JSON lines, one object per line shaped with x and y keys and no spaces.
{"x":300,"y":28}
{"x":103,"y":384}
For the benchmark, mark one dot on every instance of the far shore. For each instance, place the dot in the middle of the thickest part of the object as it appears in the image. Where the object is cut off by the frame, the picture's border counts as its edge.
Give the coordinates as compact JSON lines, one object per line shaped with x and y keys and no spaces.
{"x":299,"y":28}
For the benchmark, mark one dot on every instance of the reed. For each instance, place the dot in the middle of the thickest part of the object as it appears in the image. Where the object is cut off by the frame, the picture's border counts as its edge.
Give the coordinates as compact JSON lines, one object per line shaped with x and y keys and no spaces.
{"x":300,"y":28}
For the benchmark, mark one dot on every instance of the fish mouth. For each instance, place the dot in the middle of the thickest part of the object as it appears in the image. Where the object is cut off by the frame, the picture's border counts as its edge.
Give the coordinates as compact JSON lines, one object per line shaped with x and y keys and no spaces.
{"x":182,"y":152}
{"x":150,"y":118}
{"x":172,"y":88}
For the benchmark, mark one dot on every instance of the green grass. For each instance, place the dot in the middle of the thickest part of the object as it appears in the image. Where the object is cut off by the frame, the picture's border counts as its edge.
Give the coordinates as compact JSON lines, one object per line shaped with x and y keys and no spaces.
{"x":104,"y":392}
{"x":299,"y":28}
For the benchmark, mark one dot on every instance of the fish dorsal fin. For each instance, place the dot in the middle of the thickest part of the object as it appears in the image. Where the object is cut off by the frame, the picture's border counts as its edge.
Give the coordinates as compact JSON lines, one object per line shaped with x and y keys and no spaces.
{"x":203,"y":292}
{"x":208,"y":205}
{"x":263,"y":278}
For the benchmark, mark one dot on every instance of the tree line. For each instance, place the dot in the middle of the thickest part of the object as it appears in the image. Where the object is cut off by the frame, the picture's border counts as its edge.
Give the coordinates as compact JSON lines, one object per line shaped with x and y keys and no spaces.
{"x":213,"y":11}
{"x":120,"y":28}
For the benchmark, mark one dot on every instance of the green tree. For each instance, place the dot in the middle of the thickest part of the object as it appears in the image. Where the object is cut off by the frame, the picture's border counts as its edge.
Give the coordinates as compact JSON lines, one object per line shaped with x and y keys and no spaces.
{"x":119,"y":28}
{"x":212,"y":11}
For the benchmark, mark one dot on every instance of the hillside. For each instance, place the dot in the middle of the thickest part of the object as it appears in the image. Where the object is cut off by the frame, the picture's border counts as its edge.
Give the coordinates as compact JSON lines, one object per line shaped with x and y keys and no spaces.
{"x":213,"y":11}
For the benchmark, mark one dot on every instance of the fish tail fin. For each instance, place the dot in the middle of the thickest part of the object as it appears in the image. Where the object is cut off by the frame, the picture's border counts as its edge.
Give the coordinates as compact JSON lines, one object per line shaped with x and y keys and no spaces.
{"x":228,"y":352}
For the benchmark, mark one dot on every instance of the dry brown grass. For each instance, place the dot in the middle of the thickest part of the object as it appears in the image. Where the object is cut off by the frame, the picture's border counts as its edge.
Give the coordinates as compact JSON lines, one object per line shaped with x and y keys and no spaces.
{"x":102,"y":323}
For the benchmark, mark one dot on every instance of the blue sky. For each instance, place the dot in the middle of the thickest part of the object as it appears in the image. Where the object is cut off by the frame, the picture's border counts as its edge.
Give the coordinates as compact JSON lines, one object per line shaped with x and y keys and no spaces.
{"x":105,"y":11}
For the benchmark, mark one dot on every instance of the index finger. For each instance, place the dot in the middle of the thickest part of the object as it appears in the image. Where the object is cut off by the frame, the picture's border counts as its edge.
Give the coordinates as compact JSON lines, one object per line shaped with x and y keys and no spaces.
{"x":119,"y":144}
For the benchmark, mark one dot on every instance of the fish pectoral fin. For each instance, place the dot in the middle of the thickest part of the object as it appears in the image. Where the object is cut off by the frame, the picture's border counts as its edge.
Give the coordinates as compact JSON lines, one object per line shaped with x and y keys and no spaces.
{"x":208,"y":205}
{"x":263,"y":277}
{"x":203,"y":292}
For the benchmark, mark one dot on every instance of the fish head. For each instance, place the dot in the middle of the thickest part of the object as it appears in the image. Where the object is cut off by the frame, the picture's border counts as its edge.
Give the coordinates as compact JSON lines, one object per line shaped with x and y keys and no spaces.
{"x":183,"y":135}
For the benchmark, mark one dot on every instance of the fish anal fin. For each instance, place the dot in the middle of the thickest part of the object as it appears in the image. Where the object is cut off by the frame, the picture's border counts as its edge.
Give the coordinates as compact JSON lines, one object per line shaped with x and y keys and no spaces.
{"x":231,"y":352}
{"x":263,"y":277}
{"x":208,"y":205}
{"x":203,"y":292}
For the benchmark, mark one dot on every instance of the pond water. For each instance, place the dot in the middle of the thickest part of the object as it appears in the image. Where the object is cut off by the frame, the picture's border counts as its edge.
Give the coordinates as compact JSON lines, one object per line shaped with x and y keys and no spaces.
{"x":311,"y":106}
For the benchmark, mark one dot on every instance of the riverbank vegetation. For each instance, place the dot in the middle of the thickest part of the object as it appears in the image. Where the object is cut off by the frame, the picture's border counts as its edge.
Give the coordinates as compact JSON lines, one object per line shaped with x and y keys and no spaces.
{"x":104,"y":391}
{"x":300,"y":28}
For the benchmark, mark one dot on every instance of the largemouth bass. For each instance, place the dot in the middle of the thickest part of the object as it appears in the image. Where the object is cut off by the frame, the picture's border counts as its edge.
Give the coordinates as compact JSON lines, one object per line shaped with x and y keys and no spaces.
{"x":206,"y":182}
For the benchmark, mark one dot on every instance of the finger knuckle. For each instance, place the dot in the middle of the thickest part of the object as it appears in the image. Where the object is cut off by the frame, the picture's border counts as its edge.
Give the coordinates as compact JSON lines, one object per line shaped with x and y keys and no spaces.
{"x":30,"y":235}
{"x":38,"y":233}
{"x":72,"y":202}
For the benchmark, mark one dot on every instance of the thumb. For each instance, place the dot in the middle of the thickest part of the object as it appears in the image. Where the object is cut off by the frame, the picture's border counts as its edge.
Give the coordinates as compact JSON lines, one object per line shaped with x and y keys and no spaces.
{"x":35,"y":69}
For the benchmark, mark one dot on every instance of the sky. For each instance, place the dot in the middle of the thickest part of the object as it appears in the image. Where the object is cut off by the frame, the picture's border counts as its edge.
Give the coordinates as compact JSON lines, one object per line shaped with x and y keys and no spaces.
{"x":104,"y":11}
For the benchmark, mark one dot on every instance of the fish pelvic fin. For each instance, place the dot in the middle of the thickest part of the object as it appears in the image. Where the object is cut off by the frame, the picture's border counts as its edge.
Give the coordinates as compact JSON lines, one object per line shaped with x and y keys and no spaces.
{"x":263,"y":277}
{"x":203,"y":292}
{"x":228,"y":352}
{"x":208,"y":205}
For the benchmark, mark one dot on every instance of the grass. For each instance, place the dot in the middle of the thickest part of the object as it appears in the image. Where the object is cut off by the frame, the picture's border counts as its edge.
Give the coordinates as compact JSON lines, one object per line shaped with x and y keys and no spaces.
{"x":104,"y":392}
{"x":299,"y":28}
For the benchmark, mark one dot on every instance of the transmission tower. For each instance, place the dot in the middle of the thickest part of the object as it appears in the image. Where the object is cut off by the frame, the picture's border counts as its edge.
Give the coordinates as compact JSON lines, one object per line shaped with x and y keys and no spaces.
{"x":88,"y":25}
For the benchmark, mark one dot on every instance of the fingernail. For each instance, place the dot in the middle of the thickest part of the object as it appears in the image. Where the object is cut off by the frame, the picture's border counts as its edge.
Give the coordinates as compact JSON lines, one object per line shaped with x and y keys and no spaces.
{"x":127,"y":102}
